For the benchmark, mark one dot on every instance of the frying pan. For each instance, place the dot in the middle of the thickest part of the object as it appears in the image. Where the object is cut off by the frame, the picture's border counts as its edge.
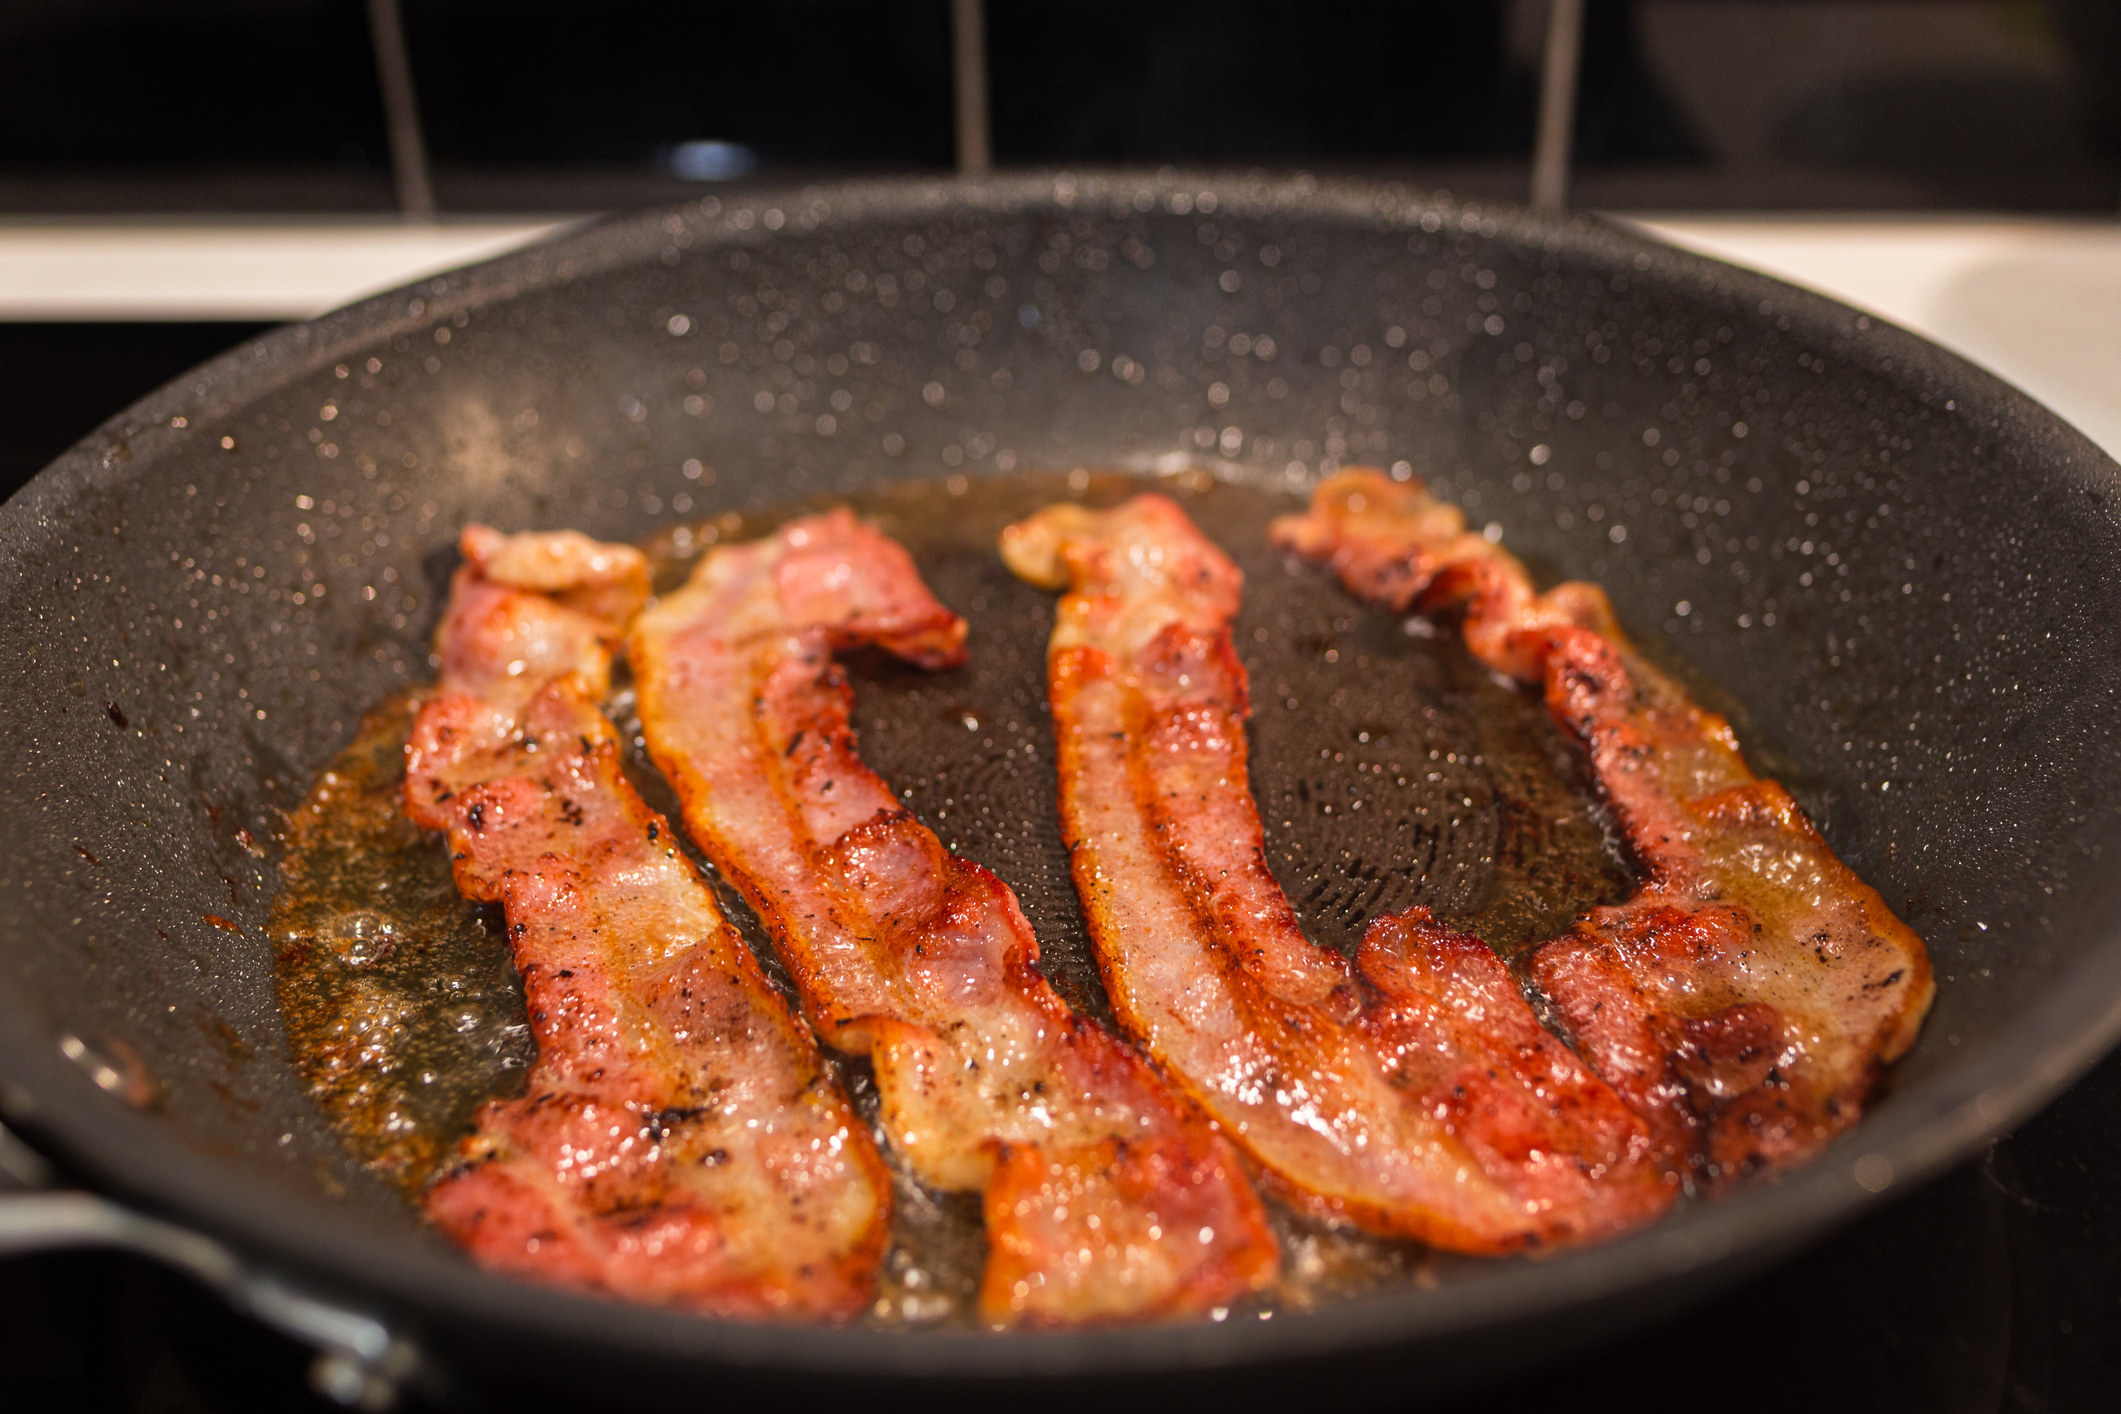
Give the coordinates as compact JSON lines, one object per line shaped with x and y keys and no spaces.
{"x":1906,"y":574}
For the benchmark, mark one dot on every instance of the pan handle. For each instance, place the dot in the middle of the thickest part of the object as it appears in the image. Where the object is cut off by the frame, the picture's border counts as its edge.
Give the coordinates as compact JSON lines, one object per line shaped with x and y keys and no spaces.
{"x":361,"y":1362}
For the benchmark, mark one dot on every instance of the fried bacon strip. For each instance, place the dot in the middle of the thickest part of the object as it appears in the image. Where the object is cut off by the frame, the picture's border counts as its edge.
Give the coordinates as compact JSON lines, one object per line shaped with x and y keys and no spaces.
{"x":680,"y":1141}
{"x":1413,"y":1093}
{"x":1745,"y":999}
{"x":1105,"y":1196}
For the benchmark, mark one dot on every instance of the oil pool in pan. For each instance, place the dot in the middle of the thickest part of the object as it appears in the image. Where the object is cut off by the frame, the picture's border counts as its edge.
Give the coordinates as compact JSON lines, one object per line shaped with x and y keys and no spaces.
{"x":1391,"y":769}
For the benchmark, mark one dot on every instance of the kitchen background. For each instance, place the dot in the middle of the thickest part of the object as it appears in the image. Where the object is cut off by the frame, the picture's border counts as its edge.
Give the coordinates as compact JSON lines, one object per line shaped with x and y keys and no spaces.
{"x":176,"y":177}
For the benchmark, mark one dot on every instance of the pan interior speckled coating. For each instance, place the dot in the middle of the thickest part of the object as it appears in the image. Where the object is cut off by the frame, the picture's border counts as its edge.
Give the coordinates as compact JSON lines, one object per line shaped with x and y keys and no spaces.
{"x":1908,"y":574}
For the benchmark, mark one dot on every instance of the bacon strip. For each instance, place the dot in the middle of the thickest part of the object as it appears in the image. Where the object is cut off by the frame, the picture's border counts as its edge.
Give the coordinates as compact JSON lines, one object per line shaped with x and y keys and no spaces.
{"x":1413,"y":1093}
{"x":680,"y":1141}
{"x":1105,"y":1197}
{"x":1746,"y":998}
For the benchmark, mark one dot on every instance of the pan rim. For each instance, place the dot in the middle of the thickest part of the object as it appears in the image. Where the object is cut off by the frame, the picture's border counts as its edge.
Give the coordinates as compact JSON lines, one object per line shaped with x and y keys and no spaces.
{"x":1921,"y":1129}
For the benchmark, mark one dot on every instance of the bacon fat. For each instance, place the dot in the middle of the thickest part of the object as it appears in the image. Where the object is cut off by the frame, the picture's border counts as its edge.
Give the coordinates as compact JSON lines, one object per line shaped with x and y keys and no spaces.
{"x":1413,"y":1093}
{"x":1746,"y":998}
{"x":1105,"y":1196}
{"x":680,"y":1140}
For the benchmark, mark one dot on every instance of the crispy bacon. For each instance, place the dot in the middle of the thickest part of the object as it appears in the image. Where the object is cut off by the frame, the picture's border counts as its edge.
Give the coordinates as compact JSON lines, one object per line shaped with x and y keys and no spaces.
{"x":680,"y":1141}
{"x":1745,"y":999}
{"x":1414,"y":1092}
{"x":1105,"y":1196}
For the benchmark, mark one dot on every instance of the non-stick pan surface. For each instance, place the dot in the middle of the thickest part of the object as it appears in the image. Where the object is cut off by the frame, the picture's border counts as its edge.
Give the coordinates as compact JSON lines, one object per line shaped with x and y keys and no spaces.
{"x":1907,"y":575}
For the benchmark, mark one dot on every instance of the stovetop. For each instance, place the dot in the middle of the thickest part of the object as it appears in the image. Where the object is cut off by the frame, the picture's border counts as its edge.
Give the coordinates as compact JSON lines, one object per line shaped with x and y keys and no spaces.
{"x":1994,"y":1288}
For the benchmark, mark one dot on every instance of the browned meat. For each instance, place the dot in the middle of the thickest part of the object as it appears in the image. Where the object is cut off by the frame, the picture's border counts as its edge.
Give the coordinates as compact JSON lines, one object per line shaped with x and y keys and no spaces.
{"x":680,"y":1141}
{"x":1105,"y":1196}
{"x":1413,"y":1093}
{"x":1746,"y":998}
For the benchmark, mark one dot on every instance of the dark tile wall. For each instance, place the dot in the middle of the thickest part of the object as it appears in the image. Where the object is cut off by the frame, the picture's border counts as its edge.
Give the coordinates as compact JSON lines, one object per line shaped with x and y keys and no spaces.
{"x":131,"y":105}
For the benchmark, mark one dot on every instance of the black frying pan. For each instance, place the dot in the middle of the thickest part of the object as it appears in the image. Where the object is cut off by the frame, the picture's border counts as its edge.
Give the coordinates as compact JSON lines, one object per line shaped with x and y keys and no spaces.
{"x":1907,"y":574}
